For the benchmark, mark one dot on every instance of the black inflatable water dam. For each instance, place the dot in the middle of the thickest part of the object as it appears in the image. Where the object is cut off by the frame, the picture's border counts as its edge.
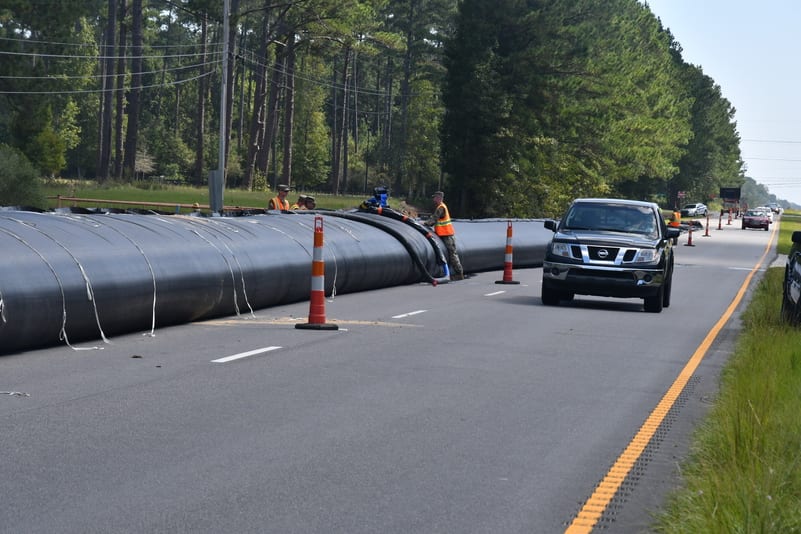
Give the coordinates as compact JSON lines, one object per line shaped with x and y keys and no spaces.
{"x":68,"y":277}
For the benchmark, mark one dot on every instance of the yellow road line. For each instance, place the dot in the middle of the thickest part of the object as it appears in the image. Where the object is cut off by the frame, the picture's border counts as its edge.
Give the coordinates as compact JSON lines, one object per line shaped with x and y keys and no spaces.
{"x":594,"y":507}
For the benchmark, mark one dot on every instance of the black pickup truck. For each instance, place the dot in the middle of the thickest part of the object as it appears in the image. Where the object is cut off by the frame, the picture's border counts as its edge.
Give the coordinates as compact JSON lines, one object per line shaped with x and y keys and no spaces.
{"x":610,"y":248}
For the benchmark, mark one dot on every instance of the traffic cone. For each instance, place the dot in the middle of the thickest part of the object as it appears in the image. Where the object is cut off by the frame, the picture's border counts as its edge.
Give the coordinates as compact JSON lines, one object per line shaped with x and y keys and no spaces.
{"x":689,"y":242}
{"x":729,"y":221}
{"x":507,"y":260}
{"x":317,"y":300}
{"x":706,"y":231}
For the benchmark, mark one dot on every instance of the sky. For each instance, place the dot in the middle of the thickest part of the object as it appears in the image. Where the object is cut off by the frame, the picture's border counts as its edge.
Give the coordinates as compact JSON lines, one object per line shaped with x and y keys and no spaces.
{"x":753,"y":52}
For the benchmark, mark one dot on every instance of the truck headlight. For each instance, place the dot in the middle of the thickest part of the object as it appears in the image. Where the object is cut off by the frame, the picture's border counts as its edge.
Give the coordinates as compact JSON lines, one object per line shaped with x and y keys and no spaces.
{"x":561,"y":249}
{"x":648,"y":255}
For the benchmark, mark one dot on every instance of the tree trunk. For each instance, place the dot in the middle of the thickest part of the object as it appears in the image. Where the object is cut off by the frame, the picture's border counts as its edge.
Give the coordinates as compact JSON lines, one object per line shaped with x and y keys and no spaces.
{"x":387,"y":133}
{"x":340,"y":135}
{"x":289,"y":109}
{"x":333,"y":181}
{"x":107,"y":96}
{"x":400,"y":174}
{"x":257,"y":116}
{"x":134,"y":96}
{"x":119,"y":94}
{"x":200,"y":125}
{"x":229,"y":94}
{"x":346,"y":125}
{"x":268,"y":142}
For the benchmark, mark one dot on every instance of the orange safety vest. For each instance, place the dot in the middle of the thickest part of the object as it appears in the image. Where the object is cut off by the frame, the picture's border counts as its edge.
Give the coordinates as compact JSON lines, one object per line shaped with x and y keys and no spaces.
{"x":443,"y":226}
{"x":279,"y":204}
{"x":676,"y":221}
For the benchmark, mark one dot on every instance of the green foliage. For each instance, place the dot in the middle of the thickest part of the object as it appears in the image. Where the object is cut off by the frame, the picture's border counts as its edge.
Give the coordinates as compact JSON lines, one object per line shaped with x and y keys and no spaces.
{"x":175,"y":157}
{"x":310,"y":155}
{"x":523,"y":105}
{"x":712,"y":157}
{"x":47,"y":149}
{"x":19,"y":181}
{"x":423,"y":148}
{"x":68,"y":128}
{"x":576,"y":98}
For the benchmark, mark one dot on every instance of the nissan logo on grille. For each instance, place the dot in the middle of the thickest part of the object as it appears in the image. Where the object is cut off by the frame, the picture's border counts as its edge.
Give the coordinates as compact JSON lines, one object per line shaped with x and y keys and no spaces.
{"x":603,"y":253}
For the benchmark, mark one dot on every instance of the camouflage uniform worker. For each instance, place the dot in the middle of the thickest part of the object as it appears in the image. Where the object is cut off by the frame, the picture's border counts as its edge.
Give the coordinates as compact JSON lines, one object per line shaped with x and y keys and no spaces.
{"x":300,"y":203}
{"x":441,"y":221}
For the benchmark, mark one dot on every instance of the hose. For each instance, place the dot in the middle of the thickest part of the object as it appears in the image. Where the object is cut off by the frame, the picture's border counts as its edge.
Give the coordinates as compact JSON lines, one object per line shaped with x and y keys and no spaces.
{"x":401,"y":238}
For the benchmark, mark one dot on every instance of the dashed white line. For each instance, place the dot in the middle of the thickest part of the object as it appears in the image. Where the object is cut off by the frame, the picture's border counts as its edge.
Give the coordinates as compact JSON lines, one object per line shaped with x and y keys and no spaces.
{"x":493,"y":294}
{"x":244,"y":354}
{"x":401,"y":316}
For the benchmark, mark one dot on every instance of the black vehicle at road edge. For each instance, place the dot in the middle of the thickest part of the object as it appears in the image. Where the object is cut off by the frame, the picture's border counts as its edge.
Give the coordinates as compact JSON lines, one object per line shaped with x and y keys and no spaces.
{"x":610,"y":248}
{"x":791,"y":293}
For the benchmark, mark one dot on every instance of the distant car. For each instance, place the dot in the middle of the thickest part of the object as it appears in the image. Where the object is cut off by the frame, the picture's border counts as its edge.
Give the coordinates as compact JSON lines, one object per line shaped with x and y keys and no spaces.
{"x":791,"y":298}
{"x":693,"y":210}
{"x":755,"y":219}
{"x":774,"y":207}
{"x":767,"y":211}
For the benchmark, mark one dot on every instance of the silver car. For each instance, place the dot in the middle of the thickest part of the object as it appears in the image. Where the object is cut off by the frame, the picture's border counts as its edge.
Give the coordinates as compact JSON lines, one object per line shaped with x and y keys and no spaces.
{"x":693,"y":210}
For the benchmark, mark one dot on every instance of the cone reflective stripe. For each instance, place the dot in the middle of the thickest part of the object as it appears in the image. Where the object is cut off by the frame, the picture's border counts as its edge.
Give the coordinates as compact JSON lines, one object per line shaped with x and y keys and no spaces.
{"x":507,"y":259}
{"x":317,"y":298}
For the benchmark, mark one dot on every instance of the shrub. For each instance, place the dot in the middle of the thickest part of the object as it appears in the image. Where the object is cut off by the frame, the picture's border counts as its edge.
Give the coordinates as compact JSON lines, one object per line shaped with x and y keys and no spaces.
{"x":19,"y":180}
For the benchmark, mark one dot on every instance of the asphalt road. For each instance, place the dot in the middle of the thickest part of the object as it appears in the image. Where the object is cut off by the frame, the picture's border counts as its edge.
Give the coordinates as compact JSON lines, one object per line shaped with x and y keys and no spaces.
{"x":463,"y":408}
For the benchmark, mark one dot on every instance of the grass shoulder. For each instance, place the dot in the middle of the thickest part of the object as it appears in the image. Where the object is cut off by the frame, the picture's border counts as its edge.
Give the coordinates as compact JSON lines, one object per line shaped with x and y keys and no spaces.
{"x":744,"y":470}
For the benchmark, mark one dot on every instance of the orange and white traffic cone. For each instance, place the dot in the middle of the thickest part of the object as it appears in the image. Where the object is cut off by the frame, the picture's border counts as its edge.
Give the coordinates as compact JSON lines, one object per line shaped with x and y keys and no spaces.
{"x":317,"y":300}
{"x":507,"y":260}
{"x":689,"y":242}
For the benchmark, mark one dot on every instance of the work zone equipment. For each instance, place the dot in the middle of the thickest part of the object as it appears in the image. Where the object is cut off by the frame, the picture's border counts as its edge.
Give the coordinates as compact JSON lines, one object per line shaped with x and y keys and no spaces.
{"x":317,"y":298}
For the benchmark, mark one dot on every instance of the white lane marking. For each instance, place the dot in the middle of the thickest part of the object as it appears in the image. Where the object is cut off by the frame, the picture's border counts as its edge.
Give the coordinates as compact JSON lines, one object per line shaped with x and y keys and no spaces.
{"x":401,"y":316}
{"x":244,"y":354}
{"x":493,"y":294}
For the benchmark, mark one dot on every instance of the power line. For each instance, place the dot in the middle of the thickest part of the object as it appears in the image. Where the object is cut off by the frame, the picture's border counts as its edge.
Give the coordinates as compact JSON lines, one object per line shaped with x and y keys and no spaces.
{"x":59,"y":77}
{"x":96,"y":45}
{"x":97,"y":57}
{"x":772,"y":141}
{"x":84,"y":91}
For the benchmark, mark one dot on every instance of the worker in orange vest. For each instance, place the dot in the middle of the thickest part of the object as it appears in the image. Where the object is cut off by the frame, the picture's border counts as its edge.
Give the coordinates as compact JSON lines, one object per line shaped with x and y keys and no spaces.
{"x":675,"y":220}
{"x":441,"y":221}
{"x":279,"y":202}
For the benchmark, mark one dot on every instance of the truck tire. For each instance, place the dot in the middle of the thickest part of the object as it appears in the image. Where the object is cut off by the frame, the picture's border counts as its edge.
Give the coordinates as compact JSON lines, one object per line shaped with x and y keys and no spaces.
{"x":655,"y":303}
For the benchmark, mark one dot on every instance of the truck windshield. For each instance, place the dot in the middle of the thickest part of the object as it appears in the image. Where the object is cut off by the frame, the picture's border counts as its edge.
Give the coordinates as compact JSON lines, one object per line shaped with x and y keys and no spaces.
{"x":605,"y":218}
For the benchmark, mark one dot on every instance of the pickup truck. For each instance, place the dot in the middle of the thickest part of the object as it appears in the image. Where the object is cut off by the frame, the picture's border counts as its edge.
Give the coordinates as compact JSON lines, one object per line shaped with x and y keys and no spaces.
{"x":610,"y":248}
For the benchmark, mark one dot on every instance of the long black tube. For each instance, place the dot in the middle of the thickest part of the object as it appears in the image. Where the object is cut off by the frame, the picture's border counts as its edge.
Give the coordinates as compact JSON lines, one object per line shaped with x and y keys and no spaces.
{"x":398,"y":216}
{"x":415,"y":254}
{"x":69,"y":277}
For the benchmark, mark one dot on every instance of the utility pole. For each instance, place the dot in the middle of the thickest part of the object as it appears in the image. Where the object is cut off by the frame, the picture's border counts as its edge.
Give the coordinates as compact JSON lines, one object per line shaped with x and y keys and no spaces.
{"x":217,"y":178}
